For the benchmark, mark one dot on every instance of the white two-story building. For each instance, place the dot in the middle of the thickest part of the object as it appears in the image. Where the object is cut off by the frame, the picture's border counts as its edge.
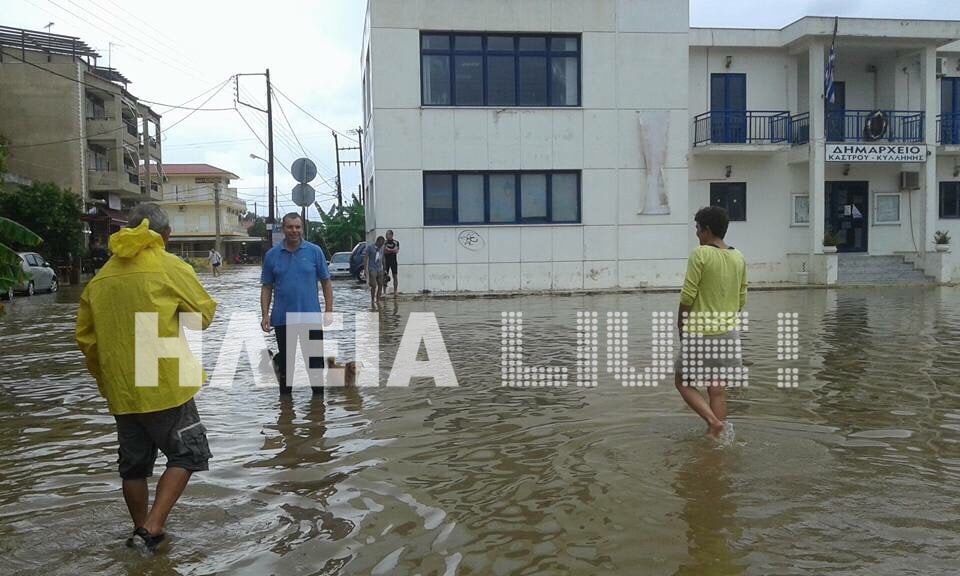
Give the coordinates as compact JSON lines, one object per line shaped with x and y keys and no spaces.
{"x":566,"y":144}
{"x":204,"y":211}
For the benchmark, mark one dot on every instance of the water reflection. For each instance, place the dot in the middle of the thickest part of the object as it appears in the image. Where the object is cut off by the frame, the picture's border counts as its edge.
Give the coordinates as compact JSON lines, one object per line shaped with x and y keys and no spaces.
{"x":855,"y":471}
{"x":703,"y":482}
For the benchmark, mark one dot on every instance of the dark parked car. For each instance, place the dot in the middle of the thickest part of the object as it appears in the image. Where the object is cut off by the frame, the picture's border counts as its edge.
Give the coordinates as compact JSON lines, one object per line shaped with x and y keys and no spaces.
{"x":356,"y":262}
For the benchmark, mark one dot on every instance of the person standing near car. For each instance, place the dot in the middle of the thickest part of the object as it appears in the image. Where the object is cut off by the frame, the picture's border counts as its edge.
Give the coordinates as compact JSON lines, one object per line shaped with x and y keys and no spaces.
{"x":152,"y":404}
{"x":391,"y":248}
{"x":373,"y":264}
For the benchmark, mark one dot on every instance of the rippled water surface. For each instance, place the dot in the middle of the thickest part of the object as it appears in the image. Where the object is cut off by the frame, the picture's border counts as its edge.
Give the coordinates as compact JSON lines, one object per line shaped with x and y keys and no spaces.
{"x":855,"y":472}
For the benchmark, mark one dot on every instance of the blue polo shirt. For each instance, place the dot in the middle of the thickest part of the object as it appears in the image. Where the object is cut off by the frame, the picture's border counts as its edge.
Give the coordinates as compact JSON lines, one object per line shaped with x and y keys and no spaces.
{"x":294,"y":276}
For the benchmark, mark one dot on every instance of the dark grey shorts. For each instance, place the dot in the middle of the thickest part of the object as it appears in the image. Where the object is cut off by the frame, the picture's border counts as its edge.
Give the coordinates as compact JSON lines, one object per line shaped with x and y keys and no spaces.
{"x":706,"y":360}
{"x":177,"y":432}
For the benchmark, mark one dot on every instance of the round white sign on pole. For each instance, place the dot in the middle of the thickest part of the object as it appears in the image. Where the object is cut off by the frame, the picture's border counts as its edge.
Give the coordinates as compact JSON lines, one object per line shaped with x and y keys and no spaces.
{"x":303,"y":170}
{"x":303,"y":195}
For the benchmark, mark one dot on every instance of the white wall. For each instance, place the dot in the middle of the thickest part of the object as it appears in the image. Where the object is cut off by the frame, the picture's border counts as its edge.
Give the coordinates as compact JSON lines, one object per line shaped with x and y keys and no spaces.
{"x":634,"y":57}
{"x":771,"y":76}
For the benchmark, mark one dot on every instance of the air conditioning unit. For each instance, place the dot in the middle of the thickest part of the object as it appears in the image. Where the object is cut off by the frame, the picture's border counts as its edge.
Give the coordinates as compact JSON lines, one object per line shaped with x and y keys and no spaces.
{"x":909,"y":181}
{"x":941,"y":64}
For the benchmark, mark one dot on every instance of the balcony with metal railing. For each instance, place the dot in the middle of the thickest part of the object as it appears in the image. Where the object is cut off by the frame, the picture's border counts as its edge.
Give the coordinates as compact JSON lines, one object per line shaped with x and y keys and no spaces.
{"x":899,"y":126}
{"x":746,"y":127}
{"x":948,"y":129}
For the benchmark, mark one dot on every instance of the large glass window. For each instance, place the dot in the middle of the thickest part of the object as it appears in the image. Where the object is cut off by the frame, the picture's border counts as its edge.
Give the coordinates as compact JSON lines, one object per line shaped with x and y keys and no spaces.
{"x":950,"y":199}
{"x":438,"y":199}
{"x":732,"y":196}
{"x":500,"y":198}
{"x":500,"y":70}
{"x":503,"y":197}
{"x":533,"y":199}
{"x":470,"y":204}
{"x":436,"y":81}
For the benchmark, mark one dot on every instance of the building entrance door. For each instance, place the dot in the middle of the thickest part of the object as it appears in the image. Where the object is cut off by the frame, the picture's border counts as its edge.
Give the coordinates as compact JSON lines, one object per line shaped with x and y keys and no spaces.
{"x":846,"y":214}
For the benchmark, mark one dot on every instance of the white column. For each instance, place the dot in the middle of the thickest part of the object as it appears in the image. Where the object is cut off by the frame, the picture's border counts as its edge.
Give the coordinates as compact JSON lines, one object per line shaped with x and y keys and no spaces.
{"x":817,"y":151}
{"x":930,"y":190}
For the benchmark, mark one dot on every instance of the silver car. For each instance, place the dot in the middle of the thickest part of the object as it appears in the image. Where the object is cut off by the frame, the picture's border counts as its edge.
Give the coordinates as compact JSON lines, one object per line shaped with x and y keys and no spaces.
{"x":42,"y":275}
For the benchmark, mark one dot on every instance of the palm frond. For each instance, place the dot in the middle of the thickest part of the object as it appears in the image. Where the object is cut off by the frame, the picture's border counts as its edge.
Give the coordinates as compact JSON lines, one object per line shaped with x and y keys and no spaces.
{"x":14,"y":233}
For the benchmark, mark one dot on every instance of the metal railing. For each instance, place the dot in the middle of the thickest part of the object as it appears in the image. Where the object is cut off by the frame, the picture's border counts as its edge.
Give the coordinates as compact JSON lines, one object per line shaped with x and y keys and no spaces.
{"x":742,"y":127}
{"x":800,"y":128}
{"x":948,"y":128}
{"x":873,"y":126}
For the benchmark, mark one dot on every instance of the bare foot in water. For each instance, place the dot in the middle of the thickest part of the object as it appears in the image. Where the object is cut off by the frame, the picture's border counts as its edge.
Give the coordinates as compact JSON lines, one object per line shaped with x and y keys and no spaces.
{"x":716,"y":429}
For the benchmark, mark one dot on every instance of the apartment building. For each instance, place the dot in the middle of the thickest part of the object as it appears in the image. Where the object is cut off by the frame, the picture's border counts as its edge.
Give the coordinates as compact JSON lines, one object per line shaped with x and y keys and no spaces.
{"x":205,"y":210}
{"x":565,"y":145}
{"x":70,"y":121}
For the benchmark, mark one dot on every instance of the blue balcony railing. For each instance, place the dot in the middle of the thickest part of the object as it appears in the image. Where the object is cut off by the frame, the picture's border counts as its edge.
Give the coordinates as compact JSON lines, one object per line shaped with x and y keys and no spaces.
{"x":800,"y":128}
{"x":874,"y":126}
{"x":741,"y":127}
{"x":948,"y":128}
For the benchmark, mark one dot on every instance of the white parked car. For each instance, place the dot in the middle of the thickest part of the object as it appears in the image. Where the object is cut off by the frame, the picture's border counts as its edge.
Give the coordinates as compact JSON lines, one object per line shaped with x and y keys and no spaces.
{"x":42,"y":276}
{"x":339,"y":265}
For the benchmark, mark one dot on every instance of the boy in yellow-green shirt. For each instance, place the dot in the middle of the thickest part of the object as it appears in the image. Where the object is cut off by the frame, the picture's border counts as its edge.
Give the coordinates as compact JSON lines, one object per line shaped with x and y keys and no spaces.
{"x":714,"y":291}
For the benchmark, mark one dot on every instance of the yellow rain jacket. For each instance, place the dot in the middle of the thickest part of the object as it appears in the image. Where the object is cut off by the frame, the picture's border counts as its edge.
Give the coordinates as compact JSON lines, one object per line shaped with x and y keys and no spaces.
{"x":141,"y":276}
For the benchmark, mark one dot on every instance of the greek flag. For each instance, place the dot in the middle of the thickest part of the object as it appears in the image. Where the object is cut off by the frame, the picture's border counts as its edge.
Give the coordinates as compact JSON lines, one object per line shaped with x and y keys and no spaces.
{"x":828,"y":91}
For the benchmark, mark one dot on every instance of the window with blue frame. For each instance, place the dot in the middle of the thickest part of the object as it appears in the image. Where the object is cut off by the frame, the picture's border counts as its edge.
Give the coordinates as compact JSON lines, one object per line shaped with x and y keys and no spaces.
{"x":499,"y":70}
{"x":731,"y":196}
{"x":950,"y":199}
{"x":475,"y":198}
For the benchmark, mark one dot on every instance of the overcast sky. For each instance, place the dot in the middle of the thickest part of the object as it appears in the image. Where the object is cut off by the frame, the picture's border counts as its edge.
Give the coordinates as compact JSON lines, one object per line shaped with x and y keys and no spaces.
{"x":175,"y":50}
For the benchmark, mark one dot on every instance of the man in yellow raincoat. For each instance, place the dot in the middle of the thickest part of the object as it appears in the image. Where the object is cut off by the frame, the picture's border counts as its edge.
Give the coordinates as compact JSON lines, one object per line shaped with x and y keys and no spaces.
{"x":128,"y":328}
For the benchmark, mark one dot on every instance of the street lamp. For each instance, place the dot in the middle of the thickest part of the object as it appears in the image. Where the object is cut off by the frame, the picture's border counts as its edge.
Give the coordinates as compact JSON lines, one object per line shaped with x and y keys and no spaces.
{"x":255,"y":157}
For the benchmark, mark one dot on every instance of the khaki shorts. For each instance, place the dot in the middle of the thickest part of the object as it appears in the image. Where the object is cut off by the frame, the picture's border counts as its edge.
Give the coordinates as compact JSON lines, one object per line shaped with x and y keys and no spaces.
{"x":375,"y":279}
{"x":707,"y":360}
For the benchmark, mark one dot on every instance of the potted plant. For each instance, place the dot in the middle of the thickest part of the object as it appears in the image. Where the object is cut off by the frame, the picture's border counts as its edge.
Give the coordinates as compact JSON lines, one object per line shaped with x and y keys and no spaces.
{"x":941,"y":240}
{"x":830,"y":242}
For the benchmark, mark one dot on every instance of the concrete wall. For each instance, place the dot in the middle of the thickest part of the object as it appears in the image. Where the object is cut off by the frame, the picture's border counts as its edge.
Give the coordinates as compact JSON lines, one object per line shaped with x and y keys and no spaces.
{"x":633,"y":58}
{"x":38,"y":107}
{"x":192,"y":212}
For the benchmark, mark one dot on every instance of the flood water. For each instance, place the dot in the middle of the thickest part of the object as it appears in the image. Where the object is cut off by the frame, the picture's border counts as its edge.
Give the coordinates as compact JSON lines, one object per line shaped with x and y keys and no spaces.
{"x":856,"y":471}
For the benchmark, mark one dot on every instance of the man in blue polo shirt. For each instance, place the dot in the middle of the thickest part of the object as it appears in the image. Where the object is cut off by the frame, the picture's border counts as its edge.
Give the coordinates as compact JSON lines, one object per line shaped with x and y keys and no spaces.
{"x":289,"y":277}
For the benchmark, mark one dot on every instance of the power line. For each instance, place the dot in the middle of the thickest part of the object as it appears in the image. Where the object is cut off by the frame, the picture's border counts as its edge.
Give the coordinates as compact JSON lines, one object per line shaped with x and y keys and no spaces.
{"x":192,"y":112}
{"x":287,"y":120}
{"x":170,"y":45}
{"x":312,"y":116}
{"x":11,"y":146}
{"x":302,"y":149}
{"x":87,"y":84}
{"x":132,"y":45}
{"x":172,"y":106}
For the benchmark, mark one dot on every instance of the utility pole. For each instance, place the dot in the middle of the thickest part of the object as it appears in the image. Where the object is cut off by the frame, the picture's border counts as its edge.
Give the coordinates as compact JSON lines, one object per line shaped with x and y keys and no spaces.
{"x":271,"y":190}
{"x":336,"y":147}
{"x":216,"y":208}
{"x":273,"y":215}
{"x":363,"y":179}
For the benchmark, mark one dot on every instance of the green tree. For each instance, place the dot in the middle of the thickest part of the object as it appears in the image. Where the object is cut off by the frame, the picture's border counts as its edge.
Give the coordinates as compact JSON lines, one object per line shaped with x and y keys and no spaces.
{"x":340,"y":228}
{"x":258,"y":229}
{"x":3,"y":154}
{"x":51,"y":213}
{"x":13,"y":235}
